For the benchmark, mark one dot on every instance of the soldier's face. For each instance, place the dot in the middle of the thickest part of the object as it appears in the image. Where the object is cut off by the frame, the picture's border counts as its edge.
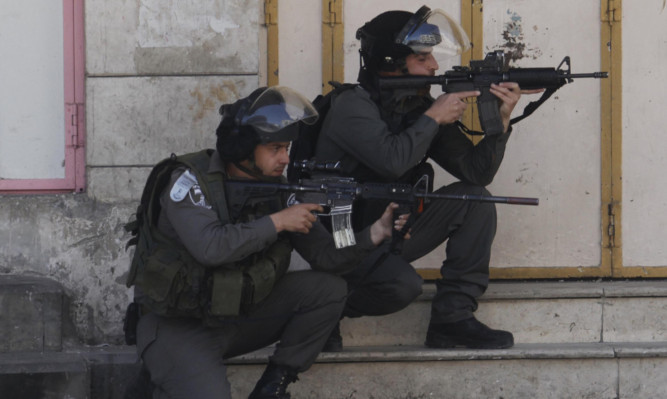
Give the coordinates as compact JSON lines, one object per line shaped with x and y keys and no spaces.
{"x":272,"y":158}
{"x":423,"y":64}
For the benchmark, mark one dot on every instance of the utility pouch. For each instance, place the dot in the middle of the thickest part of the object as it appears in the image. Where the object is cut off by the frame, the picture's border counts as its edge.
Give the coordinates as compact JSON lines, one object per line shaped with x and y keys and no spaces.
{"x":263,"y":277}
{"x":226,"y":292}
{"x":170,"y":286}
{"x":162,"y":276}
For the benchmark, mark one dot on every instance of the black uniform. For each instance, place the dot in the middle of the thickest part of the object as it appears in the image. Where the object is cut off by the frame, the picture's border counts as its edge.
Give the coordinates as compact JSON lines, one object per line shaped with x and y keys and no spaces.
{"x":390,"y":143}
{"x":185,"y":358}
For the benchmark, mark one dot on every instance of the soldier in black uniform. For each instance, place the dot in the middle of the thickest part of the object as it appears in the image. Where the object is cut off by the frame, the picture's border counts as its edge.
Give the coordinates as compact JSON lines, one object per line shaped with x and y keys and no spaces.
{"x":234,"y":260}
{"x":388,"y":135}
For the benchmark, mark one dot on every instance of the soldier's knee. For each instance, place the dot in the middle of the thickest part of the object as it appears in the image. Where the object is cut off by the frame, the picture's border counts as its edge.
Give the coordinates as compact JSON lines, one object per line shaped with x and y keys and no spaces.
{"x":326,"y":285}
{"x":407,"y":288}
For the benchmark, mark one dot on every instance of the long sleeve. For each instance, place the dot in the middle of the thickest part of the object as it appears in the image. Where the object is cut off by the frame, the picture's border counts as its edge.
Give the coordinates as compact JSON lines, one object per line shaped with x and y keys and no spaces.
{"x":206,"y":238}
{"x":354,"y":133}
{"x":470,"y":163}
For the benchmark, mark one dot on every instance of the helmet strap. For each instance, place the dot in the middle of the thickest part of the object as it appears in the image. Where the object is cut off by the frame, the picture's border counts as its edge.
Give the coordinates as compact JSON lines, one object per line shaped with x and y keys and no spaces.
{"x":254,"y":171}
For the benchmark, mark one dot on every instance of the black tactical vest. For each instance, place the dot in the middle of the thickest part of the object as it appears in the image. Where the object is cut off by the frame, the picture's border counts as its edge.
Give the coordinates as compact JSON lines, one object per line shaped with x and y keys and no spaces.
{"x":170,"y":282}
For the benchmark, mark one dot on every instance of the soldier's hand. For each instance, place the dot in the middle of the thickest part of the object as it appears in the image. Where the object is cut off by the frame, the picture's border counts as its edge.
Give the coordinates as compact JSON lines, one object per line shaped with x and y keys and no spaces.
{"x":297,"y":218}
{"x":509,"y":94}
{"x":449,"y":108}
{"x":381,"y":229}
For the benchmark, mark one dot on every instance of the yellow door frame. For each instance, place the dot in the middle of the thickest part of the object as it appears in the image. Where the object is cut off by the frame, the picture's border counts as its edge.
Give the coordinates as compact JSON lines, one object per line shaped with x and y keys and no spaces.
{"x":333,"y":68}
{"x":272,"y":55}
{"x":610,"y":142}
{"x":612,"y":130}
{"x":610,"y":137}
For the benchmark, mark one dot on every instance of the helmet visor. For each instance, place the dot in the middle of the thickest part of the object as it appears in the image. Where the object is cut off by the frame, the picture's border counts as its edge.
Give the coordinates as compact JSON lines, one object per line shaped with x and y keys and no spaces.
{"x":434,"y":31}
{"x":277,"y":108}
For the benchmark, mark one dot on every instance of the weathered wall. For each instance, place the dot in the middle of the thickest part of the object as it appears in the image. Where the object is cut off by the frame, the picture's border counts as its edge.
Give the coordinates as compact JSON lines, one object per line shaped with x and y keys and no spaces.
{"x":156,"y":73}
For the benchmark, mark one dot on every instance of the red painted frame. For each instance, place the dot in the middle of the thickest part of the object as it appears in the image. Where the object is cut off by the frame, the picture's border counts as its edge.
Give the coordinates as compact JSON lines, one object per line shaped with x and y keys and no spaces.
{"x":75,"y":121}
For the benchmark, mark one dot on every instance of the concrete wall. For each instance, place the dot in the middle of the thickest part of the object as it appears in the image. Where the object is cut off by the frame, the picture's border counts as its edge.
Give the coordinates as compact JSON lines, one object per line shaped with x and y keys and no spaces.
{"x":156,"y":73}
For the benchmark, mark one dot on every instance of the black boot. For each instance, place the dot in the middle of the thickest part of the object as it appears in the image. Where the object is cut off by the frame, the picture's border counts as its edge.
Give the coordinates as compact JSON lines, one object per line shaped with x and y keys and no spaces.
{"x":468,"y":333}
{"x":273,"y":383}
{"x":335,"y":341}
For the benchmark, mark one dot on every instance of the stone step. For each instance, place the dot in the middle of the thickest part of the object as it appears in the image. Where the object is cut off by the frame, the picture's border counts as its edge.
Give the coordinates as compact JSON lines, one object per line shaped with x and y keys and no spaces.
{"x":584,"y":370}
{"x":537,"y":312}
{"x":47,"y":375}
{"x":574,"y":339}
{"x":31,"y":314}
{"x":564,"y":370}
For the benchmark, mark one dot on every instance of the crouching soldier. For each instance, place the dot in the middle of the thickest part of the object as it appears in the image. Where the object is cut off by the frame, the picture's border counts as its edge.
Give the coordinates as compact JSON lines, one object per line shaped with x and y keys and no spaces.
{"x":210,"y":271}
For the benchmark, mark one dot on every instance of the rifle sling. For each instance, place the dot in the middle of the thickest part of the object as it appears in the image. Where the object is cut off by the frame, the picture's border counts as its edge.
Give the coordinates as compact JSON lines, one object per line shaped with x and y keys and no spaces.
{"x":527,"y":111}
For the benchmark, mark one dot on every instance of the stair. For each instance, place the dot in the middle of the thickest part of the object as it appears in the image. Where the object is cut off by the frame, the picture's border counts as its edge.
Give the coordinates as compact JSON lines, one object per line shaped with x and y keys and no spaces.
{"x":32,"y":363}
{"x":574,"y":340}
{"x":592,"y":339}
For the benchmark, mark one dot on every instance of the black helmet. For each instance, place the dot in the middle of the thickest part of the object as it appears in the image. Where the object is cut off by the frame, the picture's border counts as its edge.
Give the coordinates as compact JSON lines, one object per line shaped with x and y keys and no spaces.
{"x":267,"y":115}
{"x":393,"y":35}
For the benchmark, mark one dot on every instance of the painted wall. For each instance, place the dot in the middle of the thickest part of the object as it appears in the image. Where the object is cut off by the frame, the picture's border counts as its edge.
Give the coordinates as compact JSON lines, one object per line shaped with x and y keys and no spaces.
{"x":156,"y":73}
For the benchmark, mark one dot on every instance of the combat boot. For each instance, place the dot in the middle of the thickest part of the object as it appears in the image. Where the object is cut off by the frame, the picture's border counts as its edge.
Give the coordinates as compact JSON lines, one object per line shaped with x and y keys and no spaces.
{"x":334,"y":341}
{"x":273,"y":383}
{"x":468,"y":333}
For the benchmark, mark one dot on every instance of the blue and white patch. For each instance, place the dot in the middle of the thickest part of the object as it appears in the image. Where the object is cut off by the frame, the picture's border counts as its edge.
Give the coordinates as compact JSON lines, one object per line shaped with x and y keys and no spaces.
{"x":291,"y":200}
{"x":182,"y":186}
{"x":197,"y":197}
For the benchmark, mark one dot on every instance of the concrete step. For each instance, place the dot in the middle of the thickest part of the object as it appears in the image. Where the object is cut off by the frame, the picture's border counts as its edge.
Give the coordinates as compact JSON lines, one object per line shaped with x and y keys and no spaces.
{"x":565,"y":370}
{"x":574,"y":339}
{"x":47,"y":375}
{"x":31,"y":314}
{"x":537,"y":312}
{"x":584,"y":370}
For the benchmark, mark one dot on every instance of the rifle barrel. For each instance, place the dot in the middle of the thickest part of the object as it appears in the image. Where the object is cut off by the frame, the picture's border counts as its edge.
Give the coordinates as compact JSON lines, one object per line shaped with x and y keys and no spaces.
{"x":484,"y":198}
{"x":596,"y":75}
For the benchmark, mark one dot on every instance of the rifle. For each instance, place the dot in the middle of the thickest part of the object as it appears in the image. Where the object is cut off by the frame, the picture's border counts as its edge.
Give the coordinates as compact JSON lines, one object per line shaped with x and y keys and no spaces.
{"x":336,"y":195}
{"x":482,"y":73}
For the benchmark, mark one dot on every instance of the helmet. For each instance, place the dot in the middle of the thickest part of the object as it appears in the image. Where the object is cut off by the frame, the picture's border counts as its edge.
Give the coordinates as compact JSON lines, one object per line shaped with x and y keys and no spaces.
{"x":393,"y":35}
{"x":267,"y":115}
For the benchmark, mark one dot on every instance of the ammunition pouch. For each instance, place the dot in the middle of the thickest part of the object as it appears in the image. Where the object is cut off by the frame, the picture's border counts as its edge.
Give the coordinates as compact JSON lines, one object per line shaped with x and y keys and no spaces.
{"x":171,"y":284}
{"x":174,"y":284}
{"x":234,"y":290}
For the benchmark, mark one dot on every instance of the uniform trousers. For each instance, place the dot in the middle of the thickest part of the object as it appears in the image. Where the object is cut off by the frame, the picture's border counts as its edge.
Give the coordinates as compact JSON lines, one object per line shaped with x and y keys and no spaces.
{"x":186,"y":359}
{"x":468,"y":226}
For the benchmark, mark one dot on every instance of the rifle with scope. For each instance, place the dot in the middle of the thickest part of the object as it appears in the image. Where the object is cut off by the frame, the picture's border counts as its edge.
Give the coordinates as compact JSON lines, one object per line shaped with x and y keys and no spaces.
{"x":493,"y":69}
{"x":336,"y":195}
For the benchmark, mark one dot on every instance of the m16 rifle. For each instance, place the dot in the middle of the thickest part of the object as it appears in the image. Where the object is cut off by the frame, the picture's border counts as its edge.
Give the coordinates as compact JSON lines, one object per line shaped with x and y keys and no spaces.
{"x":493,"y":69}
{"x":337,"y":194}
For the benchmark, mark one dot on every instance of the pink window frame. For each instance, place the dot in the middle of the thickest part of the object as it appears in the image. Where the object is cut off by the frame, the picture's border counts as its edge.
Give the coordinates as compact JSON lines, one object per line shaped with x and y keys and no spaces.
{"x":75,"y":126}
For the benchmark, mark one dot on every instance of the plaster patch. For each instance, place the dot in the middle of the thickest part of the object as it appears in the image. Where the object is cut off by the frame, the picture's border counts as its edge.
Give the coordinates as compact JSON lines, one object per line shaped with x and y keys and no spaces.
{"x":514,"y":41}
{"x":222,"y":25}
{"x":210,"y":98}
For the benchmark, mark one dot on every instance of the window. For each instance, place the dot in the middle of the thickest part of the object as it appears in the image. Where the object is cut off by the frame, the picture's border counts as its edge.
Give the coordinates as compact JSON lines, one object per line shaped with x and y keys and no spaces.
{"x":42,"y":123}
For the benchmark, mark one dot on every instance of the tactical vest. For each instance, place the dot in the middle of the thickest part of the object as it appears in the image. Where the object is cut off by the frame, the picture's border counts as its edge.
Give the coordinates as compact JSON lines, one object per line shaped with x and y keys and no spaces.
{"x":169,"y":281}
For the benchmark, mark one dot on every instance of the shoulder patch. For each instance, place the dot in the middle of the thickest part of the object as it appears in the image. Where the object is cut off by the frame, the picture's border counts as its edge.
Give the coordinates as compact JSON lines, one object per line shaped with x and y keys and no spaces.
{"x":182,"y":186}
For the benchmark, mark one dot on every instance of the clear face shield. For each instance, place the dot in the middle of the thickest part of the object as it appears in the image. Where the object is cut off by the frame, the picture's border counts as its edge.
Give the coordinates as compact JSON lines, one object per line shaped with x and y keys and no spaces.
{"x":276,"y":111}
{"x":435,"y":32}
